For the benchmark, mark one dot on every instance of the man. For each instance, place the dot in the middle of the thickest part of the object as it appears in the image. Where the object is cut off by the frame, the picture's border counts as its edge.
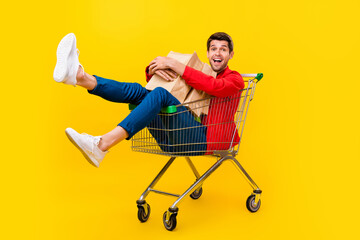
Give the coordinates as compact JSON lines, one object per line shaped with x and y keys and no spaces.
{"x":227,"y":83}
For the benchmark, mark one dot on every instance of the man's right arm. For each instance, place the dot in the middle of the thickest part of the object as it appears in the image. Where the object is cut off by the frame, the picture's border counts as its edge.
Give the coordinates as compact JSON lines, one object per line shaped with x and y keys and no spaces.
{"x":148,"y":75}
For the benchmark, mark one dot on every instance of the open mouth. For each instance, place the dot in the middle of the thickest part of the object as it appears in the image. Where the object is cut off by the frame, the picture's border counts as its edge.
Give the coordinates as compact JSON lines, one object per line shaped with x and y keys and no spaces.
{"x":217,"y":60}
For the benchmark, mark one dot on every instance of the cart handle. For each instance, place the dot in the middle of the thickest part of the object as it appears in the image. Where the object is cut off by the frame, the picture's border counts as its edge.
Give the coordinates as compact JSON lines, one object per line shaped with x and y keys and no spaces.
{"x":258,"y":76}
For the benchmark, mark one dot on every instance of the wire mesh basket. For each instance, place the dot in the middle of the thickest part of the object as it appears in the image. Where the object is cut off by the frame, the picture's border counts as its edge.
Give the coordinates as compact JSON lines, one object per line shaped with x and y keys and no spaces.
{"x":202,"y":127}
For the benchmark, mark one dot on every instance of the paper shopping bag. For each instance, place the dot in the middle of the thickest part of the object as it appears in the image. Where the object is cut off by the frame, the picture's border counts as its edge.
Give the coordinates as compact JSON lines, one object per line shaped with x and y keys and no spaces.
{"x":178,"y":88}
{"x":200,"y":107}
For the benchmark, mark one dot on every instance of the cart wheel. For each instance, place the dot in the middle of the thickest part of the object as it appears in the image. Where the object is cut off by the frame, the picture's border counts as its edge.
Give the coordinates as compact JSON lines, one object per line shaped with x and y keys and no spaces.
{"x":142,"y":216}
{"x":250,"y":204}
{"x":196,"y":194}
{"x":171,"y":224}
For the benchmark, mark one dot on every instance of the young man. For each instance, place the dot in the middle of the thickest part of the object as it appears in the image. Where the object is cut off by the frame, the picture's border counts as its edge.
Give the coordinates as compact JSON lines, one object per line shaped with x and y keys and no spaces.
{"x":228,"y":83}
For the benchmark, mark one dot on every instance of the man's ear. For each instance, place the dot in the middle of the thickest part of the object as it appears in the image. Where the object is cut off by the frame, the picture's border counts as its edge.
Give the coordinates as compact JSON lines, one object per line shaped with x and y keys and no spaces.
{"x":231,"y":54}
{"x":207,"y":54}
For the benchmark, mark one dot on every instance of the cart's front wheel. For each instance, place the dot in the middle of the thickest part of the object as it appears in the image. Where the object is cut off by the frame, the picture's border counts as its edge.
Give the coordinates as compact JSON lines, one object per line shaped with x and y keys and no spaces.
{"x":196,"y":194}
{"x":143,"y":212}
{"x":169,"y":224}
{"x":250,"y":204}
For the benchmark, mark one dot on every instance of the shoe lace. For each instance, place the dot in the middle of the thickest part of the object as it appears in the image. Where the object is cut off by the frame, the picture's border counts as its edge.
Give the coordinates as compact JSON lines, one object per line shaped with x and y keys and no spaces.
{"x":94,"y":141}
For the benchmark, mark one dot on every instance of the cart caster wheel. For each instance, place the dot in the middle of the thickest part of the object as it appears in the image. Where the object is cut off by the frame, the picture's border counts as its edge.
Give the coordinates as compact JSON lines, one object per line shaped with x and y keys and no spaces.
{"x":143,"y":215}
{"x":171,"y":223}
{"x":196,"y":194}
{"x":250,"y":204}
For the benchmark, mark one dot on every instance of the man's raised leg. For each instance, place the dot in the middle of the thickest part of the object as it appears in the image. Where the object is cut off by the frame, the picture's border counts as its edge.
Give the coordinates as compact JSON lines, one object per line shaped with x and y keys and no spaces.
{"x":85,"y":80}
{"x":68,"y":70}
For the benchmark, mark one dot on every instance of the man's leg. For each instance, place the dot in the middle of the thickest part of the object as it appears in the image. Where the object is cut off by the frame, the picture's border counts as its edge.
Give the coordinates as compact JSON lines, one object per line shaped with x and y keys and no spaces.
{"x":187,"y":136}
{"x":95,"y":148}
{"x":112,"y":138}
{"x":111,"y":90}
{"x":85,"y":80}
{"x":68,"y":70}
{"x":139,"y":118}
{"x":147,"y":110}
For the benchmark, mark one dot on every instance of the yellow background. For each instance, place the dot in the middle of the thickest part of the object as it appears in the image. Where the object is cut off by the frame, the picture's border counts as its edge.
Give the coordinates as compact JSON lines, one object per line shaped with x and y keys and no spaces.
{"x":300,"y":145}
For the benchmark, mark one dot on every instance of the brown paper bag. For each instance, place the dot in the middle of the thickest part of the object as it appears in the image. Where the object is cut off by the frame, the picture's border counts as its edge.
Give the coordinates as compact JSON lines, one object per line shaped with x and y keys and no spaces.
{"x":178,"y":88}
{"x":200,"y":107}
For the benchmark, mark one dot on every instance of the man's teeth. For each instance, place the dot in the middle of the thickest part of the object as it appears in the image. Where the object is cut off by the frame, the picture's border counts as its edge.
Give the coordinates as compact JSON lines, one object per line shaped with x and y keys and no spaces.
{"x":217,"y":60}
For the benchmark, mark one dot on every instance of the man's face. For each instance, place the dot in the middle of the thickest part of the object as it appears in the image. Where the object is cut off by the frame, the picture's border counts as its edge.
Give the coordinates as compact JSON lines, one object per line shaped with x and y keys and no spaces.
{"x":219,"y":55}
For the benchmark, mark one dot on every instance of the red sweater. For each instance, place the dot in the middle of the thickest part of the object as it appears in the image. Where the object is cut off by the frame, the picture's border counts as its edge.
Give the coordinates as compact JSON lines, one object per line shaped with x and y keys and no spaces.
{"x":220,"y":119}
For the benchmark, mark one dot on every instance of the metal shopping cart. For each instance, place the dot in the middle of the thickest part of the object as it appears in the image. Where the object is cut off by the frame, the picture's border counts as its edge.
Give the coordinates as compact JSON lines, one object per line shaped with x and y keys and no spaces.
{"x":207,"y":127}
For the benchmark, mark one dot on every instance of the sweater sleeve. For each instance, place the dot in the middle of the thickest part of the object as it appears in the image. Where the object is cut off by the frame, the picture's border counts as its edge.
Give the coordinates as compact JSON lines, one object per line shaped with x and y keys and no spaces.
{"x":218,"y":87}
{"x":148,"y":76}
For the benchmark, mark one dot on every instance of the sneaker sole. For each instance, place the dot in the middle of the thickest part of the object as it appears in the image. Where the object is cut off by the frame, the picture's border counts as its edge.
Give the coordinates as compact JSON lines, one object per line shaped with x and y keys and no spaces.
{"x":62,"y":54}
{"x":81,"y":150}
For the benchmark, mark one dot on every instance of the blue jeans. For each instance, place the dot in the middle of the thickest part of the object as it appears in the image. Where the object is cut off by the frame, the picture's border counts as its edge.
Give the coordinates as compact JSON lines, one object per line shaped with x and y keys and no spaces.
{"x":185,"y":136}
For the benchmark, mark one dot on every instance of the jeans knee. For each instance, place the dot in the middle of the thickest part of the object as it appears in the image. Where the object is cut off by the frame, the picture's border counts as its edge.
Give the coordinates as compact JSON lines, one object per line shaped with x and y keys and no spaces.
{"x":159,"y":90}
{"x":164,"y":96}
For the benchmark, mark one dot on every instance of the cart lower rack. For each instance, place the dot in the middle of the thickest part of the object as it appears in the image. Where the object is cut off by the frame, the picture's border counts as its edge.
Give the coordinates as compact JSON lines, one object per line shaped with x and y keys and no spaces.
{"x":211,"y":127}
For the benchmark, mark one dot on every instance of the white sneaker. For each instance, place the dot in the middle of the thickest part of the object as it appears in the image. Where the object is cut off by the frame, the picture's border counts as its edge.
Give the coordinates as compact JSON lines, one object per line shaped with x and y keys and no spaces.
{"x":88,"y":146}
{"x":67,"y":63}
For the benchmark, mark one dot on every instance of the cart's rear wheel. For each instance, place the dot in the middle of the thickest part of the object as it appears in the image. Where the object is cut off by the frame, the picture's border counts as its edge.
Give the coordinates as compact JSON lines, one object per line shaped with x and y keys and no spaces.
{"x":250,"y":204}
{"x":143,"y":215}
{"x":171,"y":224}
{"x":196,"y":194}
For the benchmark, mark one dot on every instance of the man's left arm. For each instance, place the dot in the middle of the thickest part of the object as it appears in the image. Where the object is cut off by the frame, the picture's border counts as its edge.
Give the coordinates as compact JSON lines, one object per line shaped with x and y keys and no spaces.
{"x":225,"y":86}
{"x":163,"y":63}
{"x":167,"y":74}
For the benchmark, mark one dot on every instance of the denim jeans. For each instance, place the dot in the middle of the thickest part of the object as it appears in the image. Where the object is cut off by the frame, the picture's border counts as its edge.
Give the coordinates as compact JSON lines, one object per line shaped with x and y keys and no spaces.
{"x":184,"y":135}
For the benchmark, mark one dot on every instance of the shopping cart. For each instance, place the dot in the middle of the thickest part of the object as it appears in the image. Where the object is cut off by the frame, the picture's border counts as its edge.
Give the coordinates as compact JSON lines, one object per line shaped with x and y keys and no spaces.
{"x":210,"y":127}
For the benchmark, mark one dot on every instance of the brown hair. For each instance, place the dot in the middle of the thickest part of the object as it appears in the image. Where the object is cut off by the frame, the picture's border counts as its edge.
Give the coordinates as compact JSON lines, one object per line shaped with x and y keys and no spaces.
{"x":221,"y":36}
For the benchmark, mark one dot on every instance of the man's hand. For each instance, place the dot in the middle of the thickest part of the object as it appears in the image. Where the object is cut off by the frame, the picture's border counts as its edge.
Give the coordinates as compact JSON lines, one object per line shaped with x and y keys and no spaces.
{"x":160,"y":63}
{"x":168,"y":75}
{"x":166,"y":63}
